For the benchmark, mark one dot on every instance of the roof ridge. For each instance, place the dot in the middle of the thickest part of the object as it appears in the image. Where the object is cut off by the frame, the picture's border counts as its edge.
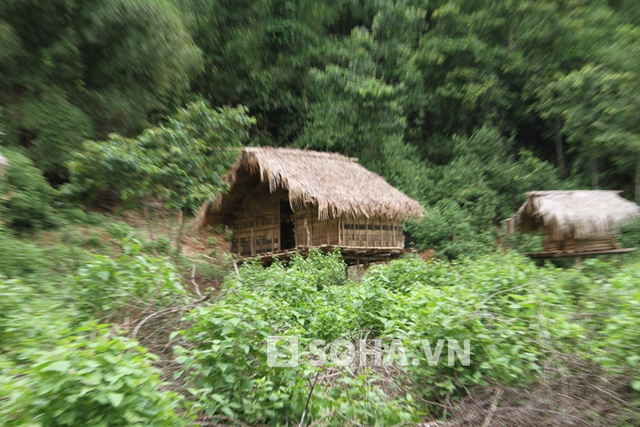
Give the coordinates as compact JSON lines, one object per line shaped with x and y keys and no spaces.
{"x":301,"y":152}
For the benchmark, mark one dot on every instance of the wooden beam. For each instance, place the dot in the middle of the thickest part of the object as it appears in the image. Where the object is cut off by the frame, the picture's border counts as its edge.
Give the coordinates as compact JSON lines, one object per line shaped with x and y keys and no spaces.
{"x":538,"y":255}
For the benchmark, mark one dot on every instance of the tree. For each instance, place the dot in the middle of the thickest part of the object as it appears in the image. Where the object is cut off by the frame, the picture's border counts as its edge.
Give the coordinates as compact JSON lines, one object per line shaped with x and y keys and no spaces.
{"x":600,"y":113}
{"x":76,"y":70}
{"x":181,"y":163}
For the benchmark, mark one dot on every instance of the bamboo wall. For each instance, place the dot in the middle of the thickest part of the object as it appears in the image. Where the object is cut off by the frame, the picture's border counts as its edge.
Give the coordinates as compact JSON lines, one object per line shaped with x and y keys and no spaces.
{"x":570,"y":244}
{"x":347,"y":231}
{"x":256,"y":227}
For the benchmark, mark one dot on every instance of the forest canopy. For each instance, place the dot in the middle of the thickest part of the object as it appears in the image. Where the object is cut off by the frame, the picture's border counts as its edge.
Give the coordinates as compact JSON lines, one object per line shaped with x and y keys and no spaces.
{"x":464,"y":105}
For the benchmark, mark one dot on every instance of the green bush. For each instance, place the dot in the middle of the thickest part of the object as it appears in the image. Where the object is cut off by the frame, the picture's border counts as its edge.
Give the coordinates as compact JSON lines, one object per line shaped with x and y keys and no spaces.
{"x":119,"y":229}
{"x":504,"y":305}
{"x":25,"y":195}
{"x":19,"y":259}
{"x":32,"y":316}
{"x":106,"y":285}
{"x":91,"y":378}
{"x":75,"y":215}
{"x":611,"y":306}
{"x":94,"y":239}
{"x":72,"y":236}
{"x":162,"y":244}
{"x":78,"y":216}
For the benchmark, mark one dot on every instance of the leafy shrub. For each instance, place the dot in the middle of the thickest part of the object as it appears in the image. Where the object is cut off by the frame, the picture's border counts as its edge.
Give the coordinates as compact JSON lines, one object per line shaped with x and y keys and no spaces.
{"x":75,"y":215}
{"x":94,"y":239}
{"x":612,"y":310}
{"x":119,"y":229}
{"x":78,"y":216}
{"x":162,"y":244}
{"x":90,"y":378}
{"x":212,"y":241}
{"x":32,"y":316}
{"x":503,"y":304}
{"x":106,"y":285}
{"x":73,"y":236}
{"x":450,"y":229}
{"x":25,"y":196}
{"x":19,"y":259}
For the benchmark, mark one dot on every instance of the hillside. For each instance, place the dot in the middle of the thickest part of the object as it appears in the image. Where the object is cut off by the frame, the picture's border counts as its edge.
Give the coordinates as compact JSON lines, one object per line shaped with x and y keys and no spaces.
{"x":120,"y":119}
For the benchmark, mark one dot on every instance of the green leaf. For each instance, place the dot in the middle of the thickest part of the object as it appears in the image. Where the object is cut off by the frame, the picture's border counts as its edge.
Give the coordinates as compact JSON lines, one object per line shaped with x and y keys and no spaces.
{"x":115,"y":399}
{"x":59,"y":366}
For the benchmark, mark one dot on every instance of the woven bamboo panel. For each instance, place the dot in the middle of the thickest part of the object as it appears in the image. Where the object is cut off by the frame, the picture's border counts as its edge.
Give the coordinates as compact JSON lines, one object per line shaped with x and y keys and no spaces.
{"x":370,"y":232}
{"x":585,"y":245}
{"x":256,"y":228}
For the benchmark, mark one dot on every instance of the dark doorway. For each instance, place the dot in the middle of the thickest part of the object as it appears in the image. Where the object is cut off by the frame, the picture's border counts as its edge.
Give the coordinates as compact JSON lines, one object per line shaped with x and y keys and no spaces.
{"x":287,"y":227}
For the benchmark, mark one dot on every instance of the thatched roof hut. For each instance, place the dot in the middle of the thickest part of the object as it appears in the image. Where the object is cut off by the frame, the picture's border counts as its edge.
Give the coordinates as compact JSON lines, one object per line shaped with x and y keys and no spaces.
{"x":331,"y":199}
{"x":574,"y":220}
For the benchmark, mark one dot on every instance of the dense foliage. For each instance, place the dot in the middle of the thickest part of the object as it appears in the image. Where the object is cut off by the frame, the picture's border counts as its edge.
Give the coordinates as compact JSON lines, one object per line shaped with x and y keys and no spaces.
{"x":462,"y":104}
{"x":517,"y":316}
{"x":182,"y":163}
{"x":89,"y":378}
{"x":26,"y":196}
{"x":59,"y":367}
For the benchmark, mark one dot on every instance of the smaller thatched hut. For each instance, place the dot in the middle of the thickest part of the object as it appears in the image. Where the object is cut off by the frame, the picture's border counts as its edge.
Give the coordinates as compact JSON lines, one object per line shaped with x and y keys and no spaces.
{"x":288,"y":200}
{"x":575,"y":222}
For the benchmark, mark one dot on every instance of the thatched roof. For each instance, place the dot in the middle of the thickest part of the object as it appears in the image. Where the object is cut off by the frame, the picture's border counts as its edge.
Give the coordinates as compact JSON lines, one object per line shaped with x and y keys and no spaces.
{"x":333,"y":183}
{"x":584,"y":214}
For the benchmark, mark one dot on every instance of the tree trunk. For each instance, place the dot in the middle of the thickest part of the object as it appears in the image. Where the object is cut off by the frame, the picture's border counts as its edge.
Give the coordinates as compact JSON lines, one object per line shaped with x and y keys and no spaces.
{"x":170,"y":238}
{"x":147,"y":218}
{"x":179,"y":238}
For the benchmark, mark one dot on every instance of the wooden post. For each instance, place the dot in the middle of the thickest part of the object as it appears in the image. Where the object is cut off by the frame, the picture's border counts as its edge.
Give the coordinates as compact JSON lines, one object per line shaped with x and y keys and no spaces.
{"x":366,"y":230}
{"x":306,"y":226}
{"x":381,"y":234}
{"x":355,"y":237}
{"x":313,"y":217}
{"x":393,"y":233}
{"x":328,"y":232}
{"x":253,"y":248}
